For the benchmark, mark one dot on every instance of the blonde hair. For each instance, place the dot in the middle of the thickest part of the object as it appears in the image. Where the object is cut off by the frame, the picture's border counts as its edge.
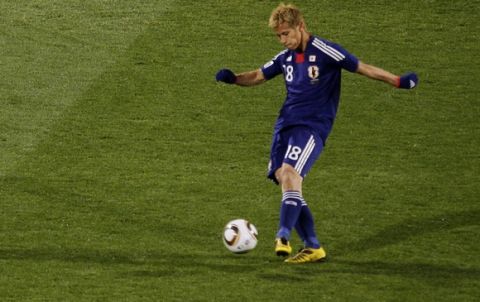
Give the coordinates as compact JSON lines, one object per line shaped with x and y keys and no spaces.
{"x":285,"y":13}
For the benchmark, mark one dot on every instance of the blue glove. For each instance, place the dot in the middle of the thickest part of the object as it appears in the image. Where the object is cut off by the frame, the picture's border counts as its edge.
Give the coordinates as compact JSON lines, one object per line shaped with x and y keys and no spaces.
{"x":408,"y":81}
{"x":227,"y":76}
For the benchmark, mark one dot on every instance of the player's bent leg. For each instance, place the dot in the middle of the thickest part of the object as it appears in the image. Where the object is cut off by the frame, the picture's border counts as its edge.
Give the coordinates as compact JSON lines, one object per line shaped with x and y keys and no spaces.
{"x":289,"y":178}
{"x":293,"y":153}
{"x":290,"y":208}
{"x":308,"y":255}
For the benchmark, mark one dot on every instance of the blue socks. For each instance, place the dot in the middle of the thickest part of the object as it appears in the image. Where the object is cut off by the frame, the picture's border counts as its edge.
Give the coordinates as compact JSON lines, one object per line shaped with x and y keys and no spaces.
{"x":294,"y":212}
{"x":289,"y":213}
{"x":307,"y":228}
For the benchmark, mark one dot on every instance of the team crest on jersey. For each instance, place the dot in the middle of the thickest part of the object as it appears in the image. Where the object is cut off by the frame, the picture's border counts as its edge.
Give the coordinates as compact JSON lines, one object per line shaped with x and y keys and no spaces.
{"x":313,"y":72}
{"x":312,"y":58}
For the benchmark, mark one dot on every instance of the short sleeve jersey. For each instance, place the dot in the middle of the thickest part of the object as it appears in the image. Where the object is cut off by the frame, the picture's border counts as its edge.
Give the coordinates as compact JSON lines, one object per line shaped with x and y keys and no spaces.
{"x":312,"y":80}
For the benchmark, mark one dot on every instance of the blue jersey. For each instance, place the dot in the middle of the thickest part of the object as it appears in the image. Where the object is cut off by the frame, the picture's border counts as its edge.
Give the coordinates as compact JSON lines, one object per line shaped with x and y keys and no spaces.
{"x":312,"y":79}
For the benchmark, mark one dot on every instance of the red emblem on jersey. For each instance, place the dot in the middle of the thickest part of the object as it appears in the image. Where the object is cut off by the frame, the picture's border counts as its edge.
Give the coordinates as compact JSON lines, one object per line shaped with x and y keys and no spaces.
{"x":299,"y":57}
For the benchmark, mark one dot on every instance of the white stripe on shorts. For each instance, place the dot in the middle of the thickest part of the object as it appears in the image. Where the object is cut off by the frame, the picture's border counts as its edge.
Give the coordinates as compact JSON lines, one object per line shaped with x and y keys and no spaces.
{"x":305,"y":155}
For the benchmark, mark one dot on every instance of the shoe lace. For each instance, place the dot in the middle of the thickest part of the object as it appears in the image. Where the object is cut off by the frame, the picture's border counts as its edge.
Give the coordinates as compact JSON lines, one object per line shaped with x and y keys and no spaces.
{"x":302,"y":253}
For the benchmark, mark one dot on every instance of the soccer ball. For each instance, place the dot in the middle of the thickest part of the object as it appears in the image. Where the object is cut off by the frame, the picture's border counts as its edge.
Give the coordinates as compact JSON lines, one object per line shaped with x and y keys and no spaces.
{"x":240,"y":236}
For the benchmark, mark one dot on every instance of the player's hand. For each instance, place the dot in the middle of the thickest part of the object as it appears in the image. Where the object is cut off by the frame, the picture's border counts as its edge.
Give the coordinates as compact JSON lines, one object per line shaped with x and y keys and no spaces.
{"x":408,"y":81}
{"x":226,"y":76}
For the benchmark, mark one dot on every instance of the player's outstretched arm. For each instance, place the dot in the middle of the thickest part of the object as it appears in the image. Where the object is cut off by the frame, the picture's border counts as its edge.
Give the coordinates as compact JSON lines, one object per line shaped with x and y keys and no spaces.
{"x":406,"y":81}
{"x":249,"y":78}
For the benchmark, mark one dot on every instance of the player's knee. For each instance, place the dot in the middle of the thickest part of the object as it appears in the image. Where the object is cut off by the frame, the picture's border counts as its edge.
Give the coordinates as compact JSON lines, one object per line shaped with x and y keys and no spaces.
{"x":288,"y":175}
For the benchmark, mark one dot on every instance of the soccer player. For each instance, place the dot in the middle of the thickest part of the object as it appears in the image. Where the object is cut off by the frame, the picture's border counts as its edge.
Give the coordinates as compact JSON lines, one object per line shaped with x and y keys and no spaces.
{"x":311,"y":67}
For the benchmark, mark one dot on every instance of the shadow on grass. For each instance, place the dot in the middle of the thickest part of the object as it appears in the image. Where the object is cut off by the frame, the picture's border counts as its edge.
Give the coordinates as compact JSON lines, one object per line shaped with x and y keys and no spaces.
{"x":285,"y":277}
{"x":68,"y":255}
{"x":180,"y":264}
{"x":410,"y":228}
{"x":175,"y":264}
{"x":405,"y":269}
{"x":140,"y":264}
{"x":448,"y":275}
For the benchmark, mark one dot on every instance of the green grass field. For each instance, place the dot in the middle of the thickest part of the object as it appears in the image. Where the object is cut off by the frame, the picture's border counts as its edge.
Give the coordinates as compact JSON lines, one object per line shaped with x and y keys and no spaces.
{"x":121,"y":158}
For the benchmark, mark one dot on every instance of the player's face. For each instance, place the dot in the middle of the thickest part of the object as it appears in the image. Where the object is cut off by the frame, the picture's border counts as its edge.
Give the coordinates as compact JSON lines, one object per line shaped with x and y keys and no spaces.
{"x":290,"y":37}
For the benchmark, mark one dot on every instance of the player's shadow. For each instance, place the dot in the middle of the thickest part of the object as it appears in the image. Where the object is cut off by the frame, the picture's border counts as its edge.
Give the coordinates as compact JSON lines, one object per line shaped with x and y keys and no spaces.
{"x":446,"y":274}
{"x":407,"y":269}
{"x":180,"y":264}
{"x":407,"y":229}
{"x":341,"y":260}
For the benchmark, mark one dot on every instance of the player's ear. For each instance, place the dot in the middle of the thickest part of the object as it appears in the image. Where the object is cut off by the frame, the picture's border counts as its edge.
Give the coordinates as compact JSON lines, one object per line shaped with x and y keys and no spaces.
{"x":301,"y":26}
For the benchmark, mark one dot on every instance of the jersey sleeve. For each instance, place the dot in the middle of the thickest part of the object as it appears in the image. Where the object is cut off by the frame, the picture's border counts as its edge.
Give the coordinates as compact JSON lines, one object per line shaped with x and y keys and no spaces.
{"x":341,"y":57}
{"x":273,"y":67}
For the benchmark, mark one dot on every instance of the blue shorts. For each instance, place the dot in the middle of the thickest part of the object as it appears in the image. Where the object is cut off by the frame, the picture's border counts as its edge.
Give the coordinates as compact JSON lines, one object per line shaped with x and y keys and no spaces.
{"x":298,"y":146}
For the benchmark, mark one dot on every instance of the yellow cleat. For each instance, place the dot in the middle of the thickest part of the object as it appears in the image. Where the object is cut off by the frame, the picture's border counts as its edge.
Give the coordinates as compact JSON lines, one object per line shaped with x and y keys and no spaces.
{"x":282,"y":247}
{"x":308,"y":255}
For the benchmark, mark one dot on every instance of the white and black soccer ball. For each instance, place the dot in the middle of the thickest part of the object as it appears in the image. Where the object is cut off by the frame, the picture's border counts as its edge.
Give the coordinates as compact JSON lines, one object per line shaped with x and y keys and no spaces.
{"x":240,"y":236}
